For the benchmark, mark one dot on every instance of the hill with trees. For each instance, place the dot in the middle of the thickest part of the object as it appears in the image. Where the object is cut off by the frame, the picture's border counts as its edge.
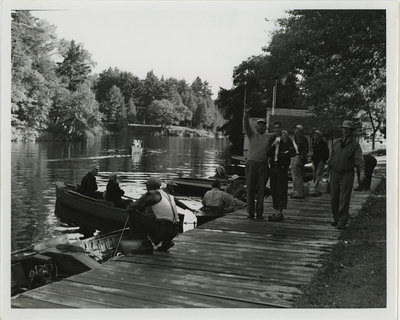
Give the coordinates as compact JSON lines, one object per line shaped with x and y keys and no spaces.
{"x":55,"y":94}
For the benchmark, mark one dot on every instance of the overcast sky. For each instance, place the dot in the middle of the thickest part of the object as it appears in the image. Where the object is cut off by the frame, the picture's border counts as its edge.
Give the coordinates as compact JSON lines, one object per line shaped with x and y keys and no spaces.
{"x":174,"y":39}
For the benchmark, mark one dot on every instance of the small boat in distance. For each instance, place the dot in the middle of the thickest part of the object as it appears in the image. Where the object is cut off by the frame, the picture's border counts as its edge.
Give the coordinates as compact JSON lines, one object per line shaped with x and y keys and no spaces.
{"x":136,"y":147}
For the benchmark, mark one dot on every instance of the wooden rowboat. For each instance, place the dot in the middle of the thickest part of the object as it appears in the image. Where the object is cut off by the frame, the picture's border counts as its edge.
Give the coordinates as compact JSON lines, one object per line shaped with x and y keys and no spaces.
{"x":71,"y":206}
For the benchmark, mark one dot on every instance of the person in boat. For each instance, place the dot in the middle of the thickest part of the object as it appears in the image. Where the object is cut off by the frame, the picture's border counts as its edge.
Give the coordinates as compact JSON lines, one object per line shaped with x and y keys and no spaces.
{"x":281,"y":150}
{"x":220,"y":173}
{"x":218,"y":201}
{"x":153,"y":219}
{"x":236,"y":188}
{"x":114,"y":192}
{"x":257,"y":170}
{"x":88,"y":185}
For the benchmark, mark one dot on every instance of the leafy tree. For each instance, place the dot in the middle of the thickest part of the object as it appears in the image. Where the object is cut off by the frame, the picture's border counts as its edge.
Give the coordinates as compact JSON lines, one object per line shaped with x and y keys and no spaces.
{"x":340,"y":57}
{"x":33,"y":71}
{"x":131,"y":111}
{"x":114,"y":108}
{"x":161,"y":112}
{"x":76,"y":65}
{"x":74,"y":113}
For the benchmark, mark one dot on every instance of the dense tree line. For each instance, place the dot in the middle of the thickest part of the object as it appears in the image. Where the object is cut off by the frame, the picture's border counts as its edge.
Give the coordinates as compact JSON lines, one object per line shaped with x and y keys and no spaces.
{"x":331,"y":62}
{"x":55,"y":93}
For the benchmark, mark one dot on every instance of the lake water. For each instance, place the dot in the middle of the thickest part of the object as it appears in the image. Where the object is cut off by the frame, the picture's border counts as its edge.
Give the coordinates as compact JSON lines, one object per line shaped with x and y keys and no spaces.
{"x":37,"y":166}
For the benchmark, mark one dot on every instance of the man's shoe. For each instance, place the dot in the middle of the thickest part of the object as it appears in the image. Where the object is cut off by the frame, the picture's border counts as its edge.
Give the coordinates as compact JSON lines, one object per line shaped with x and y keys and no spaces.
{"x":250,"y":216}
{"x":145,"y":247}
{"x":276,"y":217}
{"x":358,"y":189}
{"x":259,"y":217}
{"x":165,"y":246}
{"x":334,"y":224}
{"x":296,"y":197}
{"x":341,"y":226}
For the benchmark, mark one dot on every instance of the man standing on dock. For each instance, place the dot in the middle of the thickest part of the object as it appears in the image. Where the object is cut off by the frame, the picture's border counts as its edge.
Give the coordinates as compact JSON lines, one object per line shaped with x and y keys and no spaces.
{"x":346,"y":155}
{"x":154,"y":216}
{"x":300,"y":143}
{"x":257,"y":170}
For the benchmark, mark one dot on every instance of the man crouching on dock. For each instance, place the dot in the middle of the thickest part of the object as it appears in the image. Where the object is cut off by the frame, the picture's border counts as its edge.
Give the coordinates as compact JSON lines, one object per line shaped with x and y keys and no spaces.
{"x":154,"y":216}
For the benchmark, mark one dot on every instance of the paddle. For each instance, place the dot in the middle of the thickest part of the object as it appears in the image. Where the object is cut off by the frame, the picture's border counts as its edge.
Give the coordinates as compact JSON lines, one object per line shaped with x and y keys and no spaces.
{"x":128,"y":197}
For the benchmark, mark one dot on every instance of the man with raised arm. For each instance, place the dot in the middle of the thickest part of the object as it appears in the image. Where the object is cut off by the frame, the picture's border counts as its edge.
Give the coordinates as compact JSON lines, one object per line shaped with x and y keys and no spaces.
{"x":257,"y":170}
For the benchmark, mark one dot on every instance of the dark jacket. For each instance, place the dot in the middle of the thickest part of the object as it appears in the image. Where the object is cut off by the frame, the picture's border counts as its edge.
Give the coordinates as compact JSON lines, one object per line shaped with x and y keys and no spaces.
{"x":88,"y":185}
{"x":114,"y":192}
{"x":321,"y":151}
{"x":285,"y":152}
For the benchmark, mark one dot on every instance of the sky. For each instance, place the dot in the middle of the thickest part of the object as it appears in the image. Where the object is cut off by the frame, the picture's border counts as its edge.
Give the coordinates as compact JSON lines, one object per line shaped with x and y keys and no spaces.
{"x":182,"y":40}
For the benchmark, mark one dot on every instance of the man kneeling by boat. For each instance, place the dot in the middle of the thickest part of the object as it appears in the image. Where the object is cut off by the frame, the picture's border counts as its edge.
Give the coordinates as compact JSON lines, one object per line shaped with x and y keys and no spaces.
{"x":154,"y":216}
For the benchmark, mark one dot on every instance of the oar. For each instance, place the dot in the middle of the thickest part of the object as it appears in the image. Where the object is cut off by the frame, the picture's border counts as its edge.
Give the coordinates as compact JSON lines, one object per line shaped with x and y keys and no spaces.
{"x":128,"y":197}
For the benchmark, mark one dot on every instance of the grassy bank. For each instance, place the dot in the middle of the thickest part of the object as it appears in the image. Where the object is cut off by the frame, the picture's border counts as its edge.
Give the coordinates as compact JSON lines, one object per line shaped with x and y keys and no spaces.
{"x":354,"y":272}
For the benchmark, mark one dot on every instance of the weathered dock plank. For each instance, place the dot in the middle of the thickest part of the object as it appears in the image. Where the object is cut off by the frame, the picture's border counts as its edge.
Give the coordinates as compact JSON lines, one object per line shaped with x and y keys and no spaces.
{"x":231,"y":262}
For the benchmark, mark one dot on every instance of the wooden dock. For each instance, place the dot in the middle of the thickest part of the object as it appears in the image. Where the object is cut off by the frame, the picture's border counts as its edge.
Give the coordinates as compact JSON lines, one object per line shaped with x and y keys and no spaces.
{"x":231,"y":262}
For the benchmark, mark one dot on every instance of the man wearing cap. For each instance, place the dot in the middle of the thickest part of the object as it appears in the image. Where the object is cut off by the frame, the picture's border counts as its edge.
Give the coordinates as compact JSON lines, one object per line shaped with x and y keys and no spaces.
{"x":300,"y":143}
{"x":153,"y":218}
{"x":257,"y":170}
{"x":88,"y":185}
{"x":319,"y":158}
{"x":114,"y":192}
{"x":346,"y":155}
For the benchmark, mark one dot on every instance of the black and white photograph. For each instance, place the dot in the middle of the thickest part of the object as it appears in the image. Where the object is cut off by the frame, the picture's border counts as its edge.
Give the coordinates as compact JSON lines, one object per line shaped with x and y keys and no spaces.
{"x":199,"y":159}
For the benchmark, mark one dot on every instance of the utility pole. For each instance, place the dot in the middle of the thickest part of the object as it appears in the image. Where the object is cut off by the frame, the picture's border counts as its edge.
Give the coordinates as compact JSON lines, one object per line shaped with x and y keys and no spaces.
{"x":274,"y":97}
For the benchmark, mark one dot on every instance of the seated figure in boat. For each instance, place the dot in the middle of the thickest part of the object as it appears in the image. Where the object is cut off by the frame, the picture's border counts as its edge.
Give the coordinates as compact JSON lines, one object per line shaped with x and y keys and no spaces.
{"x":218,"y":201}
{"x":114,"y":192}
{"x":153,"y":219}
{"x":236,"y":188}
{"x":220,"y":173}
{"x":88,"y":185}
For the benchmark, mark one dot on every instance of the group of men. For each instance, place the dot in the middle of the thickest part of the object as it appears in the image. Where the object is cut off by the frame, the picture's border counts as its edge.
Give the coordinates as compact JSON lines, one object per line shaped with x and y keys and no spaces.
{"x":271,"y":154}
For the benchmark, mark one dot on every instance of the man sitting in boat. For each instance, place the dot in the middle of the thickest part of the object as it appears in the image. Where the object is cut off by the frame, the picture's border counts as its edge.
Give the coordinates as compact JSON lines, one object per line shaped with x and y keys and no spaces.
{"x":218,"y":201}
{"x":88,"y":185}
{"x":220,"y":173}
{"x":114,"y":192}
{"x":154,"y":216}
{"x":236,"y":188}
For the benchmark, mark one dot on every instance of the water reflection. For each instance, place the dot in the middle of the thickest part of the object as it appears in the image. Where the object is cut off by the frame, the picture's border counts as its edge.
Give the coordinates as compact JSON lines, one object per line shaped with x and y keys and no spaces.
{"x":36,"y":166}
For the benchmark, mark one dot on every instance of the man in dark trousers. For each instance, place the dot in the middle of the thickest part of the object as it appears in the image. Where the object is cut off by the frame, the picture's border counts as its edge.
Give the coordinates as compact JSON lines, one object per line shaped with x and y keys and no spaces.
{"x":346,"y":155}
{"x":280,"y":151}
{"x":319,"y":158}
{"x":256,"y":166}
{"x":370,"y":164}
{"x":88,"y":185}
{"x":114,"y":192}
{"x":153,"y":218}
{"x":300,"y":143}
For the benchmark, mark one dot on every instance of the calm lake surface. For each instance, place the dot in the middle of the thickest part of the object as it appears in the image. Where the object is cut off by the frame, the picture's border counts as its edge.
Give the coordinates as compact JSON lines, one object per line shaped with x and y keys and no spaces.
{"x":36,"y":166}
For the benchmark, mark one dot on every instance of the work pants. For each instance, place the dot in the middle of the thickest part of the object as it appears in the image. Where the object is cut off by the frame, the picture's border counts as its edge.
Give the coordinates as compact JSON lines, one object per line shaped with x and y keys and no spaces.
{"x":279,"y":187}
{"x":318,"y":172}
{"x":341,"y":187}
{"x":297,"y":166}
{"x":257,"y":174}
{"x":143,"y":226}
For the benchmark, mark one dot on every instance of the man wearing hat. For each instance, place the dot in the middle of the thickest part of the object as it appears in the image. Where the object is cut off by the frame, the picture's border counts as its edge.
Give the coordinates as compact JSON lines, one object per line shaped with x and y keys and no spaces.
{"x":345,"y":157}
{"x":300,"y":143}
{"x":153,"y":218}
{"x":319,"y":158}
{"x":257,"y":170}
